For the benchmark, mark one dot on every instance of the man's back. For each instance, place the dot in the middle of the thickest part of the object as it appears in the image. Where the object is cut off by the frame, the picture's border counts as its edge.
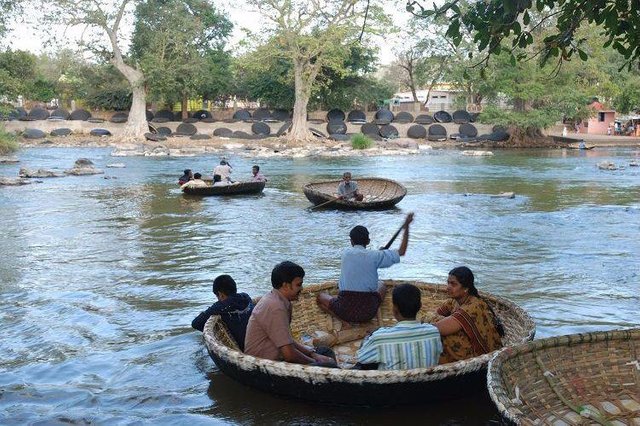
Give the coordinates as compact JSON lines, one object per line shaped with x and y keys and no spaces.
{"x":359,"y":270}
{"x":408,"y":344}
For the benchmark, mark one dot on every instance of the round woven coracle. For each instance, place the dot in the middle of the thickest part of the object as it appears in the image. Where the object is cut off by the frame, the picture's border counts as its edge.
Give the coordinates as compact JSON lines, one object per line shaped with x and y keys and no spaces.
{"x":284,"y":128}
{"x":80,"y":114}
{"x":242,"y":114}
{"x":335,"y":115}
{"x":119,"y":117}
{"x":100,"y":132}
{"x":163,"y":116}
{"x":61,"y":132}
{"x":336,"y":127}
{"x":383,"y":116}
{"x":186,"y":129}
{"x":424,"y":119}
{"x":437,"y":132}
{"x":370,"y":129}
{"x":389,"y":131}
{"x":237,"y":188}
{"x":468,"y":130}
{"x":31,"y":133}
{"x":417,"y":131}
{"x":442,"y":117}
{"x":260,"y":128}
{"x":201,"y":114}
{"x":362,"y":387}
{"x":403,"y":117}
{"x":164,"y":131}
{"x":280,"y":115}
{"x":461,"y":116}
{"x":378,"y":193}
{"x":38,"y":114}
{"x":261,"y":114}
{"x":357,"y":116}
{"x":223,"y":132}
{"x":60,"y":113}
{"x":579,"y":379}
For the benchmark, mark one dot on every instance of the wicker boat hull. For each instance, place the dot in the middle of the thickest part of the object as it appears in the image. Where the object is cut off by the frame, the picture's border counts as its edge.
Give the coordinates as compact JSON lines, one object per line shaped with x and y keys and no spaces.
{"x":357,"y":387}
{"x":586,"y":378}
{"x":379,"y":194}
{"x":235,"y":189}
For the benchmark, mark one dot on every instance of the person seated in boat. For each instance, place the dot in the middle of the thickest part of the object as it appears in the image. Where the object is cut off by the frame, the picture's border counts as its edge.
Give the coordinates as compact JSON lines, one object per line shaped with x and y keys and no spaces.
{"x":223,"y":170}
{"x":196,"y":182}
{"x":470,"y":327}
{"x":360,"y":293}
{"x":257,"y":176}
{"x":269,"y":332}
{"x":186,"y":177}
{"x":409,"y":343}
{"x":234,"y":309}
{"x":217,"y":181}
{"x":348,"y":189}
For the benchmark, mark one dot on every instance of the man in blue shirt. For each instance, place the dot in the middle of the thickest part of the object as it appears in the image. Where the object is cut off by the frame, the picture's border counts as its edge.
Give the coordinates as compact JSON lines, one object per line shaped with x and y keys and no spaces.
{"x":234,"y":309}
{"x":348,"y":189}
{"x":360,"y":293}
{"x":409,"y":343}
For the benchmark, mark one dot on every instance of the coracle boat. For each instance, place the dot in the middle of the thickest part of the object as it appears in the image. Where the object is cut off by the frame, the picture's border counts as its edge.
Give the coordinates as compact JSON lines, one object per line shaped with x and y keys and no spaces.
{"x":234,"y":189}
{"x":378,"y":194}
{"x":361,"y":387}
{"x":579,"y":379}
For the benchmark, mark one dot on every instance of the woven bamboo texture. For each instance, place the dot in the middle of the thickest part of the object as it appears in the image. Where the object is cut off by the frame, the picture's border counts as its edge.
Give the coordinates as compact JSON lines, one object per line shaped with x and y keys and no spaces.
{"x":378,"y":193}
{"x":309,"y":319}
{"x":237,"y":188}
{"x":579,"y":379}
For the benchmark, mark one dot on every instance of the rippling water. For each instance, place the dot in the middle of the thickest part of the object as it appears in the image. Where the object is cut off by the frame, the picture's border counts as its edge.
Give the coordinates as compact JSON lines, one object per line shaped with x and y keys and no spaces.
{"x":100,"y":278}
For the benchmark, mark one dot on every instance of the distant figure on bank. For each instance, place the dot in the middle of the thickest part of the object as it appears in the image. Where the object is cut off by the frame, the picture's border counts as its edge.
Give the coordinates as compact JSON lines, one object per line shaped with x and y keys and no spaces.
{"x":186,"y":177}
{"x":217,"y":181}
{"x":348,"y":189}
{"x":257,"y":176}
{"x":269,"y":333}
{"x":470,"y":327}
{"x":564,"y":131}
{"x":360,"y":293}
{"x":582,"y":145}
{"x":409,"y":343}
{"x":234,"y":309}
{"x":196,"y":182}
{"x":223,"y":170}
{"x":609,"y":130}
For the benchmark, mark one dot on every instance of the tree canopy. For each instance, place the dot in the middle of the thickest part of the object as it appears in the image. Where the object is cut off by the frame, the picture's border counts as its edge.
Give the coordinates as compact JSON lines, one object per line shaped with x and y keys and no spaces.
{"x":492,"y":22}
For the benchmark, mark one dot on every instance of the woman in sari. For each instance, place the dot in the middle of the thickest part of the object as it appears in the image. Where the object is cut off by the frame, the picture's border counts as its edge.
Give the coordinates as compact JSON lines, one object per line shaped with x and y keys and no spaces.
{"x":469,"y":327}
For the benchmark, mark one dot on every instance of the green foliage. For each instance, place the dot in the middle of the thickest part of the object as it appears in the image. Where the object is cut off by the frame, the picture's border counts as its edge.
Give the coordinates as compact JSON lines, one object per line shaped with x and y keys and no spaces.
{"x":17,"y":70}
{"x":360,"y":141}
{"x":8,"y":8}
{"x":179,"y":45}
{"x":499,"y":25}
{"x":109,"y":99}
{"x":629,"y":98}
{"x":529,"y":120}
{"x":8,"y":141}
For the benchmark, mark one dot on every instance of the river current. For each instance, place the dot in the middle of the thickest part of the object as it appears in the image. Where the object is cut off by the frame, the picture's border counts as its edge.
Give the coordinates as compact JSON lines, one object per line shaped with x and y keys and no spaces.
{"x":100,"y":276}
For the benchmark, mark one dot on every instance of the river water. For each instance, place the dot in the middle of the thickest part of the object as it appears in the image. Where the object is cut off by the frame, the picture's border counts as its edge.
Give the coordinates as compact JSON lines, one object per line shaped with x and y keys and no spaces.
{"x":100,"y":278}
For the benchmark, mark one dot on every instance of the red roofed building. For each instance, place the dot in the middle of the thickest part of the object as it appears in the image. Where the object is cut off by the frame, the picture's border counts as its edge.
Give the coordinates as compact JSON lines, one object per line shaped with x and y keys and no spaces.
{"x":600,"y":122}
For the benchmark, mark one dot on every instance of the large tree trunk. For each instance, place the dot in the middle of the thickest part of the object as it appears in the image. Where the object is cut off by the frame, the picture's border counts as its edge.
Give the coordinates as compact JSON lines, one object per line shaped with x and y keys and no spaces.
{"x":184,"y":106}
{"x":137,"y":124}
{"x":305,"y":74}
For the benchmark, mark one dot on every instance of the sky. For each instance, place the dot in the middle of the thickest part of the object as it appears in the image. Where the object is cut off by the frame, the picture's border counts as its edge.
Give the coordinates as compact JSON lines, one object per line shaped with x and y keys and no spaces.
{"x":28,"y":36}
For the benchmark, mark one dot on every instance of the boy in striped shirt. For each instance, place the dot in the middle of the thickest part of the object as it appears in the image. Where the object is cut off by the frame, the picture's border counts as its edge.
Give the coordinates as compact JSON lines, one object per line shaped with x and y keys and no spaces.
{"x":409,"y":343}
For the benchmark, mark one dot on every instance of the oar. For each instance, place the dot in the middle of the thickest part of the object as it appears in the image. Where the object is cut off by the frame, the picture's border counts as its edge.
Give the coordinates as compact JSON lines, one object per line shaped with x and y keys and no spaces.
{"x":394,"y":237}
{"x":324,"y":204}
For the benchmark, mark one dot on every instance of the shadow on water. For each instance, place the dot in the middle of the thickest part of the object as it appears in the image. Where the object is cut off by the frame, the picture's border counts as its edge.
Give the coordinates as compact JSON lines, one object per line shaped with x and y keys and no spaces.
{"x":241,"y":404}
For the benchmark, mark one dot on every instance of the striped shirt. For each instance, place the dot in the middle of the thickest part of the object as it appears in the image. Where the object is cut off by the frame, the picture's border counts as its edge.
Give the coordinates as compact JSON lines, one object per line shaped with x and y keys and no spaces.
{"x":408,"y":344}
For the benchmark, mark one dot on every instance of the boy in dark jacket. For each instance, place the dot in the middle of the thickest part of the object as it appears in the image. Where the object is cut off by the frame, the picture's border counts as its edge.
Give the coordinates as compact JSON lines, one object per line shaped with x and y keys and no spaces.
{"x":234,"y":309}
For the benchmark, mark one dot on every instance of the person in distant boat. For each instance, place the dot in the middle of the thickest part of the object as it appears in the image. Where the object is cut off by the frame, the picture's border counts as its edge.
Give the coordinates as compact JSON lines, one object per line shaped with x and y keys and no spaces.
{"x":360,"y":293}
{"x":582,"y":145}
{"x":234,"y":309}
{"x":348,"y":189}
{"x":223,"y":170}
{"x":269,"y":333}
{"x":186,"y":177}
{"x":196,"y":182}
{"x":470,"y":327}
{"x":257,"y":176}
{"x":409,"y":343}
{"x":217,"y":181}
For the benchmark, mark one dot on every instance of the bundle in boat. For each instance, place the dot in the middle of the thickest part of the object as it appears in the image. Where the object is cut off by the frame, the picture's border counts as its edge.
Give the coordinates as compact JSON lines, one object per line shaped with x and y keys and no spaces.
{"x":378,"y":193}
{"x":588,"y":378}
{"x":362,"y":387}
{"x":234,"y":189}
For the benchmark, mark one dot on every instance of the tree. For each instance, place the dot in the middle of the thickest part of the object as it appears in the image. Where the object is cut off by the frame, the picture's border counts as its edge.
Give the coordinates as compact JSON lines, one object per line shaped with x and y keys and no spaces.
{"x":105,"y":17}
{"x":8,"y":10}
{"x":312,"y":36}
{"x":179,"y":45}
{"x":493,"y":22}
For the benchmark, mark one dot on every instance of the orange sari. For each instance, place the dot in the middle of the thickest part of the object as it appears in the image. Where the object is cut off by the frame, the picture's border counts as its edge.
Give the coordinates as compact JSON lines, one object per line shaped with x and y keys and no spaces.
{"x":478,"y":334}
